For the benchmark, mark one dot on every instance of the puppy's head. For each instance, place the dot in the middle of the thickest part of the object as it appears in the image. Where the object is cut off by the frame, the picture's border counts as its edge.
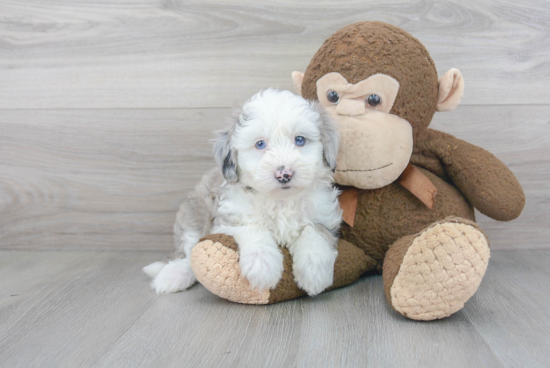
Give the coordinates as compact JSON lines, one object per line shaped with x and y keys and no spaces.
{"x":278,"y":142}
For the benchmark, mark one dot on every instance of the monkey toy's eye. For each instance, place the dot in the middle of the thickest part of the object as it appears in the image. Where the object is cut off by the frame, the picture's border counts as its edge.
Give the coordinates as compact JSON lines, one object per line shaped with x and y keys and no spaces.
{"x":374,"y":100}
{"x":333,"y":97}
{"x":299,"y":140}
{"x":261,"y":145}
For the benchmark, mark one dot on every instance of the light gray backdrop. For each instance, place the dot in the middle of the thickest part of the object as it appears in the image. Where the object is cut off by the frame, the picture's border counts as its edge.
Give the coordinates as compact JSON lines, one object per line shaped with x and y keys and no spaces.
{"x":106,"y":109}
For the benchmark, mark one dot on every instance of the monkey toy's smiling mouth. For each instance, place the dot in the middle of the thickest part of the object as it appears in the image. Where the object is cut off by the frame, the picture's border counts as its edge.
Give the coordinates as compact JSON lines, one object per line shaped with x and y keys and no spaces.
{"x":378,"y":168}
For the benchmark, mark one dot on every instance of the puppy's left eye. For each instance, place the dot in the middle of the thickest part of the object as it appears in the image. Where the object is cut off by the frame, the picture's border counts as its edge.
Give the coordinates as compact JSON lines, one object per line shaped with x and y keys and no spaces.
{"x":261,"y":145}
{"x":299,"y":140}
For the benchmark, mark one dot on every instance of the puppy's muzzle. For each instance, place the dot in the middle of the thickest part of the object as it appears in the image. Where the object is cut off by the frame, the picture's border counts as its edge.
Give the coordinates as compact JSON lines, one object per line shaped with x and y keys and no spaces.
{"x":283,"y":174}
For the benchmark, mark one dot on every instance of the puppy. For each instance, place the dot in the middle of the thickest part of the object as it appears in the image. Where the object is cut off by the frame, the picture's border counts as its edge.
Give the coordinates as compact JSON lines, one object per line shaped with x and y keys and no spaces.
{"x":273,"y":187}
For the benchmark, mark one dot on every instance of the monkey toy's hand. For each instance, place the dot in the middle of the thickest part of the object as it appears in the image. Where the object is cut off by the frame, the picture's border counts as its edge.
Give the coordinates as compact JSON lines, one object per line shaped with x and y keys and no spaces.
{"x":483,"y":179}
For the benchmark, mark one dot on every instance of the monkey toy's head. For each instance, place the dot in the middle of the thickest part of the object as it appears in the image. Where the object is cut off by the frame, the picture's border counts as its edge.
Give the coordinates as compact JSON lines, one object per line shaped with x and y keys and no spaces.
{"x":381,"y":86}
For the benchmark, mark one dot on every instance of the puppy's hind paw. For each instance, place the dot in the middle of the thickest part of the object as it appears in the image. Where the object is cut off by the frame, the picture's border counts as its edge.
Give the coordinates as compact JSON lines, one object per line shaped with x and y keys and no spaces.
{"x":175,"y":276}
{"x":262,"y":267}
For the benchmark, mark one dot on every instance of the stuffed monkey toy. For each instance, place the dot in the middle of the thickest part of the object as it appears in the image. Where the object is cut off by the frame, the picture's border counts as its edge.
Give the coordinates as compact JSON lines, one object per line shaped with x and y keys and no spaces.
{"x":408,"y":192}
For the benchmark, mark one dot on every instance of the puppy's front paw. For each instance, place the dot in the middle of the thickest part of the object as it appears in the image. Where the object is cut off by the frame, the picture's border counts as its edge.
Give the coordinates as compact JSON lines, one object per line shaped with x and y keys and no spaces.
{"x":314,"y":272}
{"x":175,"y":276}
{"x":262,"y":267}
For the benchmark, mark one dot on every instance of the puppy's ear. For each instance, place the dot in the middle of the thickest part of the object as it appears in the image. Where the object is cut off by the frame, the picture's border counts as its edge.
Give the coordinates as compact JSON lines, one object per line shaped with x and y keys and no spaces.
{"x":224,"y":154}
{"x":330,"y":137}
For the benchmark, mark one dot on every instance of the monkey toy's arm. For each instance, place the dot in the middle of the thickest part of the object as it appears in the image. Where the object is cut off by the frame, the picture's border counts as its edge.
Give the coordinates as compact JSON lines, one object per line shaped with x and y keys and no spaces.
{"x":483,"y":179}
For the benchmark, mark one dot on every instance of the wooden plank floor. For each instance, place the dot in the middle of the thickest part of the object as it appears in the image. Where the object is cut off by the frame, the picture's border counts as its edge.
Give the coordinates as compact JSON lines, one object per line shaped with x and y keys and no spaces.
{"x":94,"y":308}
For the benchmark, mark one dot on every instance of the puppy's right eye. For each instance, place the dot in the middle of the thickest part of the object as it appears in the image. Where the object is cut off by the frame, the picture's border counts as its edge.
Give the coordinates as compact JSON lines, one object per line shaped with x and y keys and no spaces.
{"x":261,"y":145}
{"x":333,"y":97}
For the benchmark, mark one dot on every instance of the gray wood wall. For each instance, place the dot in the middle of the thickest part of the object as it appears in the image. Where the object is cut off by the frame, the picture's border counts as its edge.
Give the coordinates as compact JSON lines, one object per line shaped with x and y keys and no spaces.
{"x":106,"y":107}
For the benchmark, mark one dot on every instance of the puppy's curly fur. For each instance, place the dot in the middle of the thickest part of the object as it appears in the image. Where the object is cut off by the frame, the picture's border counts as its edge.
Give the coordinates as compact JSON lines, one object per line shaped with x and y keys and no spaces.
{"x":273,"y":186}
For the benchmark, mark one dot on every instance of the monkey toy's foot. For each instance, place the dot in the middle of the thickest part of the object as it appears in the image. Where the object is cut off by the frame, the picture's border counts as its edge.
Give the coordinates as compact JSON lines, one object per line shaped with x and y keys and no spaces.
{"x":430,"y":275}
{"x":215,"y":262}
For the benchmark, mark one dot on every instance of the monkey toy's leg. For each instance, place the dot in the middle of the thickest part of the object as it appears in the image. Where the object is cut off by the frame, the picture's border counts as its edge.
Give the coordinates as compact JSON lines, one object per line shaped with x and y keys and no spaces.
{"x":430,"y":275}
{"x":215,"y":262}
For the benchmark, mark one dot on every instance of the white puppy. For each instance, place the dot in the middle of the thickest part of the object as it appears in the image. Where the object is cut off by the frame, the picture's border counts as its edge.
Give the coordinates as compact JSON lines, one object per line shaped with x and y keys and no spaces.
{"x":274,"y":188}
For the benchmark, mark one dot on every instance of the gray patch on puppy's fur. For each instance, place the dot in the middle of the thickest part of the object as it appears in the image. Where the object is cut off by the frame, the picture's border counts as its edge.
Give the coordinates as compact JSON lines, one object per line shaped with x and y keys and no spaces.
{"x":224,"y":154}
{"x":198,"y":209}
{"x":330,"y":137}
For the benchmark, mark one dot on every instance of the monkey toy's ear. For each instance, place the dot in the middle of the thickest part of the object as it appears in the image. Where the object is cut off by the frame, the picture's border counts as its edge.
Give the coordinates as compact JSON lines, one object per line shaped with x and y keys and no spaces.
{"x":297,"y":78}
{"x":451,"y":89}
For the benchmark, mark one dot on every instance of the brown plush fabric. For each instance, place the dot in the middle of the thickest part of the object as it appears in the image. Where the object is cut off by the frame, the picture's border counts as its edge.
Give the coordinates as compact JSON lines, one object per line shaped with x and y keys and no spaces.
{"x":350,"y":264}
{"x":366,"y":48}
{"x":483,"y":179}
{"x":286,"y":288}
{"x":418,"y":184}
{"x":226,"y":240}
{"x":389,"y":213}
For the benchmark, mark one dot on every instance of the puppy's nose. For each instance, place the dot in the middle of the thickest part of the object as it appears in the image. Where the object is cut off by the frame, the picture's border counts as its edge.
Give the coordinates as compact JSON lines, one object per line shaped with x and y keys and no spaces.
{"x":283,"y":175}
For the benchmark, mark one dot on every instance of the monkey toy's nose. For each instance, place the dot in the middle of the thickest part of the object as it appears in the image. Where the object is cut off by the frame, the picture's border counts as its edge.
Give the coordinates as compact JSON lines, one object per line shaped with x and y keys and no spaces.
{"x":283,"y":175}
{"x":350,"y":107}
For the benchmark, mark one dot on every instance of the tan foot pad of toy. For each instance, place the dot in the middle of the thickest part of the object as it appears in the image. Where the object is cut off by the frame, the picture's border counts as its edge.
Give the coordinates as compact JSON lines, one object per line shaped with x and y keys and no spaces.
{"x":440,"y":269}
{"x":215,"y":262}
